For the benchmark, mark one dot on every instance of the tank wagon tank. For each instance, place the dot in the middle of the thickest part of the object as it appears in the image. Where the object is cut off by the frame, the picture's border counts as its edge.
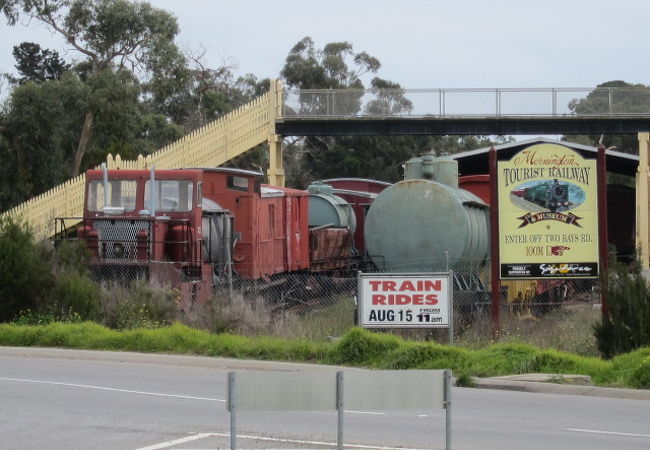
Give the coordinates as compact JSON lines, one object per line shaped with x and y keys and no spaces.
{"x":425,"y":222}
{"x":332,"y":224}
{"x":359,"y":193}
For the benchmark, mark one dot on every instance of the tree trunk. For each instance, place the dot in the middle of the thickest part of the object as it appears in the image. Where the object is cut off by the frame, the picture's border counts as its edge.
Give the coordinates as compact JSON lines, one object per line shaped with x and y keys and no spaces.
{"x":86,"y":132}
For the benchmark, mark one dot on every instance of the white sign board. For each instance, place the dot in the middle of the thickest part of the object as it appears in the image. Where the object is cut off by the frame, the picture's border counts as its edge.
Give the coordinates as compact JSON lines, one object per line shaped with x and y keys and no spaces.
{"x":405,"y":300}
{"x":380,"y":390}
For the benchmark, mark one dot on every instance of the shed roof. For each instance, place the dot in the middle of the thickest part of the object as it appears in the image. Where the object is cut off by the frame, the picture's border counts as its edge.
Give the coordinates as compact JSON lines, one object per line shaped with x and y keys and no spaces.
{"x":476,"y":162}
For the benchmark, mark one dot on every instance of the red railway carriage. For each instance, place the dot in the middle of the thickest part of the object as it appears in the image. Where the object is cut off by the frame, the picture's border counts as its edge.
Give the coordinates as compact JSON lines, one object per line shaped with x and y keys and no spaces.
{"x":270,"y":222}
{"x":478,"y":185}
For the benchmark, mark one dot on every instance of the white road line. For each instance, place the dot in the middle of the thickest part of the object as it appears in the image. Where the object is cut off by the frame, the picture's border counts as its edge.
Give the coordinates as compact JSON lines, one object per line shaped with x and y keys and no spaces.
{"x":365,"y":412}
{"x":611,"y":433}
{"x":102,"y":388}
{"x":167,"y":444}
{"x":263,"y":438}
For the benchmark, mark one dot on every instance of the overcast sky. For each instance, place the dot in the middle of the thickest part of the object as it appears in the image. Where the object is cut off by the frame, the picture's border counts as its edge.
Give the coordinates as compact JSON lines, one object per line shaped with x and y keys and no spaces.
{"x":421,"y":44}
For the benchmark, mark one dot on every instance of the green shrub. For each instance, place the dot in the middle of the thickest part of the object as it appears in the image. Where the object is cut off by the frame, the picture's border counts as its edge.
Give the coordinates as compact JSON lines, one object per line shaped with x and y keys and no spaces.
{"x":640,"y":376}
{"x":140,"y":305}
{"x":510,"y":358}
{"x":29,"y":317}
{"x":74,"y":293}
{"x":464,"y":380}
{"x":72,"y":255}
{"x":359,"y":347}
{"x":25,"y":270}
{"x":423,"y":356}
{"x":627,"y":326}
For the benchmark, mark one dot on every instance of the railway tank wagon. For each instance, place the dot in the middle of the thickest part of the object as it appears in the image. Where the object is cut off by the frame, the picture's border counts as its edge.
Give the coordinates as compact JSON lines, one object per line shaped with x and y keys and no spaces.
{"x":425,"y":222}
{"x":360,"y":193}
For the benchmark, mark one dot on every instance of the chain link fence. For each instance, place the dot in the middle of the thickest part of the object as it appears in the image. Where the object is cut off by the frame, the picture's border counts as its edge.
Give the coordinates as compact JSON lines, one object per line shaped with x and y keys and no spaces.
{"x":550,"y":313}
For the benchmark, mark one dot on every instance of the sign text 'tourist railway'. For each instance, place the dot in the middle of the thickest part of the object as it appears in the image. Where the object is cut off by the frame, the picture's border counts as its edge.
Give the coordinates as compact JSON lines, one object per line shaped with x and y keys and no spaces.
{"x":404,"y":300}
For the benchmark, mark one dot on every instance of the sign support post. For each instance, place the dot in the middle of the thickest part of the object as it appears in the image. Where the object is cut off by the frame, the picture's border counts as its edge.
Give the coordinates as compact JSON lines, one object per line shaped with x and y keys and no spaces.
{"x":232,"y":407}
{"x":495,"y":290}
{"x":451,"y":308}
{"x":447,"y":405}
{"x":340,"y":409}
{"x":601,"y":165}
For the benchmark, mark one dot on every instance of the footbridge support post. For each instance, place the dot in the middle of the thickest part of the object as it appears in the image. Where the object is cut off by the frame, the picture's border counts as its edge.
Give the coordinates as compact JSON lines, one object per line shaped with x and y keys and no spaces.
{"x":642,"y":207}
{"x":276,"y":168}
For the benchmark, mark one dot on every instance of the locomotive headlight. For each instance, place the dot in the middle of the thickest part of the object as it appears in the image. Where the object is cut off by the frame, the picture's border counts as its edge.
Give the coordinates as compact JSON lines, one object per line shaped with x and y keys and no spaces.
{"x":118,"y":250}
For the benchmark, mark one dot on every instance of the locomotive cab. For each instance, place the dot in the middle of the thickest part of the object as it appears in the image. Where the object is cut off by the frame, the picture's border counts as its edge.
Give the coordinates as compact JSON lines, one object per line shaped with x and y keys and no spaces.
{"x":149,"y":224}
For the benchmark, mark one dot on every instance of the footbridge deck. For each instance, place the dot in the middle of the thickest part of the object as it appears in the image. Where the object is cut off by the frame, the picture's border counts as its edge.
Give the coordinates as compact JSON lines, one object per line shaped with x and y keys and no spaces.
{"x":464,"y":111}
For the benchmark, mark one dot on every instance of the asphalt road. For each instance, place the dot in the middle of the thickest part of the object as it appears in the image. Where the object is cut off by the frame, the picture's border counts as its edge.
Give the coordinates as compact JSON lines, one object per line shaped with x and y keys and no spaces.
{"x":65,"y":399}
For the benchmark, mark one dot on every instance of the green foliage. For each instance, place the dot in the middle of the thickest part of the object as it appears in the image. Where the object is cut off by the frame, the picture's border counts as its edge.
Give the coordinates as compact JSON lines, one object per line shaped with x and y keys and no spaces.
{"x":71,"y":255}
{"x":335,"y":66}
{"x":41,"y":286}
{"x":627,"y":325}
{"x":357,"y":348}
{"x":598,"y":102}
{"x":130,"y":91}
{"x":25,"y":270}
{"x":29,"y":317}
{"x":338,"y":66}
{"x":37,"y":64}
{"x":171,"y":339}
{"x":137,"y":306}
{"x":634,"y":368}
{"x":375,"y":157}
{"x":74,"y":293}
{"x":464,"y":380}
{"x":426,"y":356}
{"x":38,"y":132}
{"x":360,"y":347}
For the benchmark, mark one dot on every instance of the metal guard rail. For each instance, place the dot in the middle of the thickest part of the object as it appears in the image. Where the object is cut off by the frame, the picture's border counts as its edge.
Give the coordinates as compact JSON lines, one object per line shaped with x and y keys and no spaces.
{"x":470,"y":103}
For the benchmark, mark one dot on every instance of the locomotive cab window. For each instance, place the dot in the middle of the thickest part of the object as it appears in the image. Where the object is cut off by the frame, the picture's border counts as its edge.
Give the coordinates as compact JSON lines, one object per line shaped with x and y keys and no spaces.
{"x":237,"y":183}
{"x":121,"y":194}
{"x":170,"y":195}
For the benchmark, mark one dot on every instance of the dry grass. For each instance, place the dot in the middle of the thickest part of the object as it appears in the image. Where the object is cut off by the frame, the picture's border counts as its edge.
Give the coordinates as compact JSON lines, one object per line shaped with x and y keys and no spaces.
{"x":568,"y":329}
{"x":251,"y":315}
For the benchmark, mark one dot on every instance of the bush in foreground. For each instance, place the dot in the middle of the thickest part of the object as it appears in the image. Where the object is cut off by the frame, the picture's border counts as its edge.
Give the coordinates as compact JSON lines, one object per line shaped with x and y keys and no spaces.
{"x":25,"y":270}
{"x":627,"y":326}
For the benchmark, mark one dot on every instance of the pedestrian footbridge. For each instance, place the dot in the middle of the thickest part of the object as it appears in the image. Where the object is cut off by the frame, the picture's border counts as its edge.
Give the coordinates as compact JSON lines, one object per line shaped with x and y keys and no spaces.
{"x":331,"y":112}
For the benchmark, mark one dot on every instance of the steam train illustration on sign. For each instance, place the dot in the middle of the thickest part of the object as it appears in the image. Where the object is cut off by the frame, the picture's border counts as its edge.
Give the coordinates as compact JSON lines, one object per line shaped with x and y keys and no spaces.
{"x":199,"y":229}
{"x":551,"y":195}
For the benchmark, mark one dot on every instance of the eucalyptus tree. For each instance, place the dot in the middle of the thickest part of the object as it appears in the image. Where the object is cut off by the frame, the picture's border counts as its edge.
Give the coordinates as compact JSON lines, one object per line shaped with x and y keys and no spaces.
{"x":623,"y":98}
{"x":109,"y":37}
{"x":37,"y":64}
{"x":338,"y":68}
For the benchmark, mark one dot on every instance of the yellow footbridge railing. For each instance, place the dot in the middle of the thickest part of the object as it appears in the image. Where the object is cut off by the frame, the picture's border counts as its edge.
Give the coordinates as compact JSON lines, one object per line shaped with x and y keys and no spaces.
{"x":209,"y":146}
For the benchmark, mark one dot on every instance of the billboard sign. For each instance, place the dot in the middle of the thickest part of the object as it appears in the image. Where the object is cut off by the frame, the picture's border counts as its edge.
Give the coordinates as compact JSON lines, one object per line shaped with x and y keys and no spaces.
{"x":548,"y":214}
{"x":405,"y":300}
